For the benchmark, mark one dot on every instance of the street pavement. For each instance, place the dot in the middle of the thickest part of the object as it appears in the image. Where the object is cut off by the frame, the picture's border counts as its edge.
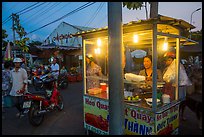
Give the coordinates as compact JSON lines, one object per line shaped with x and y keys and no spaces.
{"x":70,"y":120}
{"x":67,"y":122}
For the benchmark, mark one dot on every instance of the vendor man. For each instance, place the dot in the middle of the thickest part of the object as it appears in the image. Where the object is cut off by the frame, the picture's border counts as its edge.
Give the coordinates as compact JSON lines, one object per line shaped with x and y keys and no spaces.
{"x":55,"y":68}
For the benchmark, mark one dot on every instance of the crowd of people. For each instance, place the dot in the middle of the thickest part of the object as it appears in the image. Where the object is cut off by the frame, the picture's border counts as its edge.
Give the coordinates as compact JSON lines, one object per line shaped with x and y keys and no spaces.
{"x":15,"y":81}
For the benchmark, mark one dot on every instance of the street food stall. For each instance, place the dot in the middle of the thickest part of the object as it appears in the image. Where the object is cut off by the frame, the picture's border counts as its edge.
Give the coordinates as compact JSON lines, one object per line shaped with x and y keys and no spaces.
{"x":147,"y":111}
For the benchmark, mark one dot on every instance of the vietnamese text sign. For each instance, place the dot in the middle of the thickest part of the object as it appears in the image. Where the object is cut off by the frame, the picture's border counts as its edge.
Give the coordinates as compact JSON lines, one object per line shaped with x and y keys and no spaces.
{"x":96,"y":115}
{"x":167,"y":121}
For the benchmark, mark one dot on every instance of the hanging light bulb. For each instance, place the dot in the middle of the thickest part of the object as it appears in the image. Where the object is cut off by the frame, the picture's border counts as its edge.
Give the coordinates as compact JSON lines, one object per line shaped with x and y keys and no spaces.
{"x":135,"y":38}
{"x":165,"y":45}
{"x":99,"y":42}
{"x":97,"y":51}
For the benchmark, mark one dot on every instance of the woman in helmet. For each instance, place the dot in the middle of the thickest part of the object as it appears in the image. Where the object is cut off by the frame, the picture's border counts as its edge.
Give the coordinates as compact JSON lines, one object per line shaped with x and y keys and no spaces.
{"x":19,"y":85}
{"x":169,"y":58}
{"x":169,"y":76}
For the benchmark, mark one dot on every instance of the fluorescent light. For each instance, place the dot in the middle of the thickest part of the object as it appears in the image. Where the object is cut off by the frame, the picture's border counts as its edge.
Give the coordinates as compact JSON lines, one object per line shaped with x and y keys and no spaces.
{"x":135,"y":38}
{"x":99,"y":42}
{"x":165,"y":45}
{"x":97,"y":51}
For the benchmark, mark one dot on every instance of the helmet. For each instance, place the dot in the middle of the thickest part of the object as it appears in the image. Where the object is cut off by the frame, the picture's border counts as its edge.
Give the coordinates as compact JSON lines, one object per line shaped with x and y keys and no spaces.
{"x":170,"y":55}
{"x":17,"y":60}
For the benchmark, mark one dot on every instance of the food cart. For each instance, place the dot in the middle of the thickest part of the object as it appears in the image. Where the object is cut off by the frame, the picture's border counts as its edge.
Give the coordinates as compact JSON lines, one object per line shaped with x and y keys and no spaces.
{"x":143,"y":115}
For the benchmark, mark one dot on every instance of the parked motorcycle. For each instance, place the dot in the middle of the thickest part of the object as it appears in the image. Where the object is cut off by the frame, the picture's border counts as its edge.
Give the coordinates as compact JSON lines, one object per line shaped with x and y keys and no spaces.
{"x":36,"y":105}
{"x":63,"y":81}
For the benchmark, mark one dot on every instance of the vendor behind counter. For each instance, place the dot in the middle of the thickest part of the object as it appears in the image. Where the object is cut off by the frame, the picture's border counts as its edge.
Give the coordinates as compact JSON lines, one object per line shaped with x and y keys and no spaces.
{"x":147,"y":71}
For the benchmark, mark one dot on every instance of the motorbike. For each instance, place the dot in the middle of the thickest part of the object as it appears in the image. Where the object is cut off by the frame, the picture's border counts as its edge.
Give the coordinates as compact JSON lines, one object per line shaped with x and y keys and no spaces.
{"x":50,"y":99}
{"x":62,"y":81}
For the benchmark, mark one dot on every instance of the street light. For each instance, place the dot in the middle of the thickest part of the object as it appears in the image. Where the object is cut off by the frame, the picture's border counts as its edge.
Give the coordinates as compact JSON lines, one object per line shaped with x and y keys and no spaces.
{"x":192,"y":16}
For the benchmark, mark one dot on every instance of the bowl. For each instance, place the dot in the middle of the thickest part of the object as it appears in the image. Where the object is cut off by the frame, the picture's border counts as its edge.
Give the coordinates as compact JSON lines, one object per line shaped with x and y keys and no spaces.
{"x":149,"y":101}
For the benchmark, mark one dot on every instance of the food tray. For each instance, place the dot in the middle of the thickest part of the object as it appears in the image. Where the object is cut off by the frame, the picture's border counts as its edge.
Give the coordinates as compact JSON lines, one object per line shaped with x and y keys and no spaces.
{"x":94,"y":91}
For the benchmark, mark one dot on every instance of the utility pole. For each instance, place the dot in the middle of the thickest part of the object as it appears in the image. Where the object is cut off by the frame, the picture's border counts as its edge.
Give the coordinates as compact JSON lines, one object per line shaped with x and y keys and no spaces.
{"x":14,"y":38}
{"x":116,"y":86}
{"x":154,"y":15}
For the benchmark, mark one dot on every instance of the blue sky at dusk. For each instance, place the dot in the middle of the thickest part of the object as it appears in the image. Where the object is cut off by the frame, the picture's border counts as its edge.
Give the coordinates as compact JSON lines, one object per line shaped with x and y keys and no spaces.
{"x":94,"y":16}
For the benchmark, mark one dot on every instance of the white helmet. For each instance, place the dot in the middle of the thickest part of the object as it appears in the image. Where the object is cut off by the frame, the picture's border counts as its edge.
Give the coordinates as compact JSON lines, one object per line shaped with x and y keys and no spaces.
{"x":17,"y":60}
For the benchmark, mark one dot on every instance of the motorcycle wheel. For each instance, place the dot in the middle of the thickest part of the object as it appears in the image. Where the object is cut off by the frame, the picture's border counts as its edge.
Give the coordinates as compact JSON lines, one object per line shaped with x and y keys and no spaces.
{"x":60,"y":103}
{"x":34,"y":117}
{"x":64,"y":85}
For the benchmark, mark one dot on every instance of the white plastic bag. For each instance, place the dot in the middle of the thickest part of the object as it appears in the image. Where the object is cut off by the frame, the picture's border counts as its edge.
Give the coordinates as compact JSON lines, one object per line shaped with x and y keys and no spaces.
{"x":170,"y":75}
{"x":134,"y":77}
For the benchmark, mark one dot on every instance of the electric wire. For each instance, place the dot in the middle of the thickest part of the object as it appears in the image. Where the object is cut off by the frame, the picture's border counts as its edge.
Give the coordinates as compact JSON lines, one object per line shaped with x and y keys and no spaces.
{"x":103,"y":19}
{"x":68,"y":14}
{"x":51,"y":14}
{"x":27,"y":8}
{"x":9,"y":17}
{"x":32,"y":8}
{"x":95,"y":14}
{"x":46,"y":11}
{"x":33,"y":16}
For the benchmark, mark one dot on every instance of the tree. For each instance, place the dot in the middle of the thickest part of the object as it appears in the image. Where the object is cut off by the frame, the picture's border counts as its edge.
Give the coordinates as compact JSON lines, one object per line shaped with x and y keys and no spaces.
{"x":139,"y":5}
{"x":135,"y":6}
{"x":197,"y":35}
{"x":21,"y":32}
{"x":4,"y":35}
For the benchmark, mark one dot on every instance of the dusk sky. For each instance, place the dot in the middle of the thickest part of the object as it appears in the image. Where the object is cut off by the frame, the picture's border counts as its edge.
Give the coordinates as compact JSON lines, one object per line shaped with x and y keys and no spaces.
{"x":92,"y":16}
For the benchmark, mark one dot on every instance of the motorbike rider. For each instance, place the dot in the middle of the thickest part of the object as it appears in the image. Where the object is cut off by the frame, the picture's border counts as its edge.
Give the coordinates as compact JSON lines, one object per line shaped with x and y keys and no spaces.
{"x":55,"y":68}
{"x":19,"y":85}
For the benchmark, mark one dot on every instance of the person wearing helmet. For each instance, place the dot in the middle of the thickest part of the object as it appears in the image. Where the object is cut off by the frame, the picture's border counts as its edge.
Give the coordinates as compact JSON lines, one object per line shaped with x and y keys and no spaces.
{"x":169,"y":58}
{"x":169,"y":76}
{"x":19,"y":85}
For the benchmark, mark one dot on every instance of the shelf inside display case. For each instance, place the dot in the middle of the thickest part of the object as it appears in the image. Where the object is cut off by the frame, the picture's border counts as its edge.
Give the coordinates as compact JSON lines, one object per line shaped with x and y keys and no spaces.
{"x":104,"y":78}
{"x":142,"y":83}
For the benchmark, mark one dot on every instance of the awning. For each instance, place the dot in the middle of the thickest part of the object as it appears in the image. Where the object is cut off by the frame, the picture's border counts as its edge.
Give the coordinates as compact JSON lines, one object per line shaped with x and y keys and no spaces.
{"x":45,"y":51}
{"x":166,"y":27}
{"x":192,"y":48}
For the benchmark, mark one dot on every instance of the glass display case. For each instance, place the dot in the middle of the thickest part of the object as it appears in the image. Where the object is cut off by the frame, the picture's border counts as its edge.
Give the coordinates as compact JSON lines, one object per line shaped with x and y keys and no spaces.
{"x":151,"y":107}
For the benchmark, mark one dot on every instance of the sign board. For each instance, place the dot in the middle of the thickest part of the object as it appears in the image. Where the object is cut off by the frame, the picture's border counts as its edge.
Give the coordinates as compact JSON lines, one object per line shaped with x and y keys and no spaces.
{"x":96,"y":115}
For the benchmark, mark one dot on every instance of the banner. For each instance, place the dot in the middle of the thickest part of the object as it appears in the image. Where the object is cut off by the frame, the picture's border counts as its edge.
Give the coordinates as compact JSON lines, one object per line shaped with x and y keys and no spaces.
{"x":168,"y":121}
{"x":96,"y":115}
{"x":138,"y":121}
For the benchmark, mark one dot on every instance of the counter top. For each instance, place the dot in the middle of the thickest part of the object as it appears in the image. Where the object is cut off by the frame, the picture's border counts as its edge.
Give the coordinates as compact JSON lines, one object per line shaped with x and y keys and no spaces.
{"x":141,"y":104}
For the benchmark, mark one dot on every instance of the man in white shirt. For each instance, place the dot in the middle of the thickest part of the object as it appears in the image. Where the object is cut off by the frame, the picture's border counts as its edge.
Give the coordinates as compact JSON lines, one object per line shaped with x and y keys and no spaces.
{"x":55,"y":68}
{"x":19,"y":85}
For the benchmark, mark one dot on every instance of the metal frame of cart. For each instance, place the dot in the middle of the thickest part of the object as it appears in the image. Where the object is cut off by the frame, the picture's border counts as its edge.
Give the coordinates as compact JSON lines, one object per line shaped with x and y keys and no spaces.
{"x":139,"y":120}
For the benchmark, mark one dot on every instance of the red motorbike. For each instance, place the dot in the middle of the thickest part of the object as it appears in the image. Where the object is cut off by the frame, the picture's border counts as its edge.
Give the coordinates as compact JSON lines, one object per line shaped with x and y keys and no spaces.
{"x":36,"y":105}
